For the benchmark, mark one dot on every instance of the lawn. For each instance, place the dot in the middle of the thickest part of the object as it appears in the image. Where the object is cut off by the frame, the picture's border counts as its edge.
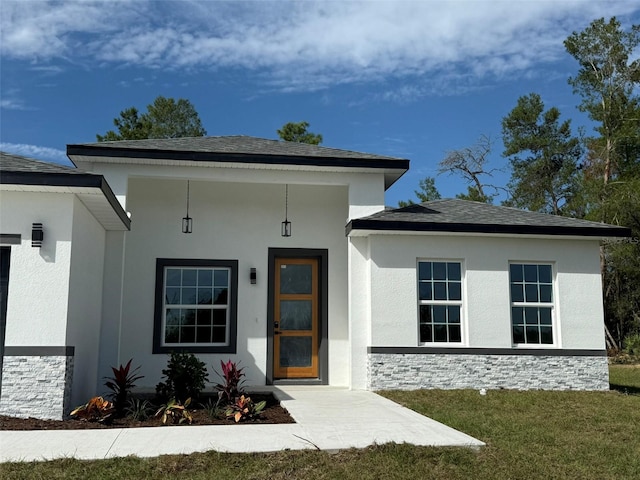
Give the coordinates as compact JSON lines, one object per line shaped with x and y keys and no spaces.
{"x":586,"y":435}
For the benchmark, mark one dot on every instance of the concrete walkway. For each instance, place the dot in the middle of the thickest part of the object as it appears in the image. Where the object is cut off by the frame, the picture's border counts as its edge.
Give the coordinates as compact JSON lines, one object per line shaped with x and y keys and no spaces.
{"x":327,"y":418}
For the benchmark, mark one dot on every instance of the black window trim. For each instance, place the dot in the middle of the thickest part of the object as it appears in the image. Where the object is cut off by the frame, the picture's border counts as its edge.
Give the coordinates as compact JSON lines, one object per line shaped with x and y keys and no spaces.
{"x":161,"y":264}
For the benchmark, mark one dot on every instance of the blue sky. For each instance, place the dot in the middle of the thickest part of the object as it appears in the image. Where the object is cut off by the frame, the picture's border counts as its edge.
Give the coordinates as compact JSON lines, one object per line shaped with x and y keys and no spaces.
{"x":411,"y":79}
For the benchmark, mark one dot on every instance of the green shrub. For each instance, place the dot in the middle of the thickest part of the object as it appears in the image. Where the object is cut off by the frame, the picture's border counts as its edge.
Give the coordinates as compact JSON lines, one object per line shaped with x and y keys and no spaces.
{"x":632,"y":345}
{"x":185,"y":376}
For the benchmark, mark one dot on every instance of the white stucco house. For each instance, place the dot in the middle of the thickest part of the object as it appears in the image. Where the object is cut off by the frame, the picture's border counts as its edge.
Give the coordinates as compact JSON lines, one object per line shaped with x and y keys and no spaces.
{"x":291,"y":265}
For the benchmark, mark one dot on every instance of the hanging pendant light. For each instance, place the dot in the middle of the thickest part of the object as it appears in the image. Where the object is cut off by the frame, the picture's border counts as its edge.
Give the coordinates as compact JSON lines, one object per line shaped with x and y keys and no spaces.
{"x":286,"y":225}
{"x":187,"y":222}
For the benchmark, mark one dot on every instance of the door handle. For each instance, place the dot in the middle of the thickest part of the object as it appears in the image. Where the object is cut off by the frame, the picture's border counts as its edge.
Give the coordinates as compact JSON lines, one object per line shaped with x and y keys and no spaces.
{"x":276,"y":324}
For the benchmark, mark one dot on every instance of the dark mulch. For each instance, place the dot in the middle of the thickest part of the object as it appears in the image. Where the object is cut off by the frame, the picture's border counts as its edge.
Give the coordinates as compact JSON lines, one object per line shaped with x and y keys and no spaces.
{"x":273,"y":413}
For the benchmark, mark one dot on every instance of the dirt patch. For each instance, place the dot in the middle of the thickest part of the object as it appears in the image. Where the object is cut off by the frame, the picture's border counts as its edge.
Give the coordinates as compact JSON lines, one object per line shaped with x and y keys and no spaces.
{"x":273,"y":413}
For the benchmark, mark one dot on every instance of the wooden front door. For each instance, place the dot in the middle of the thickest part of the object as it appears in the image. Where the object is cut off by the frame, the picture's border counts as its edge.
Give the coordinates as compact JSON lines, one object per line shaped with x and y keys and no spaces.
{"x":295,"y":317}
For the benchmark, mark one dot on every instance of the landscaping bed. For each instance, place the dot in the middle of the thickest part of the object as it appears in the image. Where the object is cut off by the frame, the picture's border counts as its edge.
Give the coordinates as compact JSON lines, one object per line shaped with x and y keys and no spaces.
{"x":272,"y":413}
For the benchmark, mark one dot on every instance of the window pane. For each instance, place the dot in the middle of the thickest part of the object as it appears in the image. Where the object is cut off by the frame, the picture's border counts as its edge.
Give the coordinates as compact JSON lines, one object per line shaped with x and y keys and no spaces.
{"x":204,"y":317}
{"x":440,"y":333}
{"x":531,"y":292}
{"x":439,"y":314}
{"x":546,"y":335}
{"x":517,"y":315}
{"x":453,"y":271}
{"x":531,"y":273}
{"x":425,"y":291}
{"x":203,"y":334}
{"x":439,"y":271}
{"x":187,"y":335}
{"x":531,"y":315}
{"x":174,"y":276}
{"x":219,"y":317}
{"x":439,"y":291}
{"x":295,"y":351}
{"x":532,"y":335}
{"x":172,"y":296}
{"x":426,"y":332}
{"x":188,"y":296}
{"x":189,"y":277}
{"x":220,"y":296}
{"x":454,"y":333}
{"x":171,"y":335}
{"x":221,"y":278}
{"x":172,"y":317}
{"x":295,"y":279}
{"x":545,"y":316}
{"x":454,"y":314}
{"x":517,"y":294}
{"x":518,"y":334}
{"x":205,"y":278}
{"x":455,"y":291}
{"x":424,"y":271}
{"x":204,"y":296}
{"x":545,"y":293}
{"x":425,"y":314}
{"x":544,"y":273}
{"x":295,"y":315}
{"x":219,"y":335}
{"x":515,"y":272}
{"x":188,"y":317}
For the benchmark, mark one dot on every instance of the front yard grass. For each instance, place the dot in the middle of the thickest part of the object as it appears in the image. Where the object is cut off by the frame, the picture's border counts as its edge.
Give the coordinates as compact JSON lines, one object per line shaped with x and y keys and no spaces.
{"x":536,"y":434}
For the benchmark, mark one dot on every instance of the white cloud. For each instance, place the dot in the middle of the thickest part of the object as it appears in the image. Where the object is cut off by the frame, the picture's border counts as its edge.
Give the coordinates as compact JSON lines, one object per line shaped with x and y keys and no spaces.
{"x":305,"y":45}
{"x":36,"y":151}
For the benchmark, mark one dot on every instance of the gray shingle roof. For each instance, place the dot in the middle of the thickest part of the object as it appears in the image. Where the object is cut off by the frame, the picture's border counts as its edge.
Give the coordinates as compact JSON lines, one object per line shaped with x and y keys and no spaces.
{"x":10,"y":162}
{"x":455,"y":215}
{"x":236,"y":144}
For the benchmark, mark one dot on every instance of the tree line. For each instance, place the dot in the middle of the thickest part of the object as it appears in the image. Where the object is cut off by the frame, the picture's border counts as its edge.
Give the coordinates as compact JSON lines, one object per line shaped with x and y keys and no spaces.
{"x":594,"y":177}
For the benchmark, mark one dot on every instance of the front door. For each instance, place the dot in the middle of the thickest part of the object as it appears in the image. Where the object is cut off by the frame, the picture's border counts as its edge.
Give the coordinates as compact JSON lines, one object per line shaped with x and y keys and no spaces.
{"x":5,"y":255}
{"x":295,"y":317}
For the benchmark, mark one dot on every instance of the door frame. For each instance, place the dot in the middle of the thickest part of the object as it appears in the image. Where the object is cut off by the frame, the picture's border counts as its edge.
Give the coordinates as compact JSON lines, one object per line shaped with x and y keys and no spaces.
{"x":322,"y":255}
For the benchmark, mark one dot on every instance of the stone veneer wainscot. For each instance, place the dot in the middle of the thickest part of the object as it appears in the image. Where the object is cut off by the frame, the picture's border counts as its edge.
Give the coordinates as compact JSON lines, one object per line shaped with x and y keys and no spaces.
{"x":521,"y":370}
{"x":37,"y":386}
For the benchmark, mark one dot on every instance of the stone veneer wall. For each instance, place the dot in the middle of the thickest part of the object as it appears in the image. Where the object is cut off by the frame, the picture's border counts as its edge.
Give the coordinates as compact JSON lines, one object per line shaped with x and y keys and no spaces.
{"x":453,"y":371}
{"x":36,"y":386}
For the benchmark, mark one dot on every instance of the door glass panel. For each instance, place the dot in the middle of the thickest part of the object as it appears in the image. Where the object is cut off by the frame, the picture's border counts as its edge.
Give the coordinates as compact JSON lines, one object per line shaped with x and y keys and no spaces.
{"x":295,"y":315}
{"x":295,"y":279}
{"x":295,"y":351}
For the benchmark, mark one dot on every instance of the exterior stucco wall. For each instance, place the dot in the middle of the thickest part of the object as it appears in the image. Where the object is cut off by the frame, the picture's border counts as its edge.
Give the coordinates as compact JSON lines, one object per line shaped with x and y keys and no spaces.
{"x":230,"y":221}
{"x":37,"y":303}
{"x":36,"y":381}
{"x":390,"y":276}
{"x":85,"y":301}
{"x":578,"y":322}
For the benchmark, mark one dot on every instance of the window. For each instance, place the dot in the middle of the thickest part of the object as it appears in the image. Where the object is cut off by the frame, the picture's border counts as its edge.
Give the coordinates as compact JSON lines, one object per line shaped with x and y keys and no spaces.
{"x":440,"y":301}
{"x":196,"y":303}
{"x":531,"y":303}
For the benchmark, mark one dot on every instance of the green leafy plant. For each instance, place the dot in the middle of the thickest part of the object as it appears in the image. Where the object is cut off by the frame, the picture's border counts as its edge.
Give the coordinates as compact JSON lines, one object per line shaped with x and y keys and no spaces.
{"x":121,"y":384}
{"x":245,"y":409}
{"x":185,"y":376}
{"x":97,"y":409}
{"x":632,"y":345}
{"x":215,"y":410}
{"x":232,"y":379}
{"x":139,"y":409}
{"x":176,"y":412}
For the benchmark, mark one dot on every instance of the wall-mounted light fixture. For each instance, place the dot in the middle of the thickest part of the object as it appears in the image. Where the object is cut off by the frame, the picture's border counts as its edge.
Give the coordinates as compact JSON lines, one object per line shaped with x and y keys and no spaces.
{"x":37,"y":235}
{"x":187,"y":222}
{"x":253,"y":276}
{"x":286,"y":225}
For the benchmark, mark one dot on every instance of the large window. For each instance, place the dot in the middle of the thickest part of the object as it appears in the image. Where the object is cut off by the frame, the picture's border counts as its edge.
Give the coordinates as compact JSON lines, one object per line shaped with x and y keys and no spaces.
{"x":440,"y":301}
{"x":531,"y":303}
{"x":196,"y":304}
